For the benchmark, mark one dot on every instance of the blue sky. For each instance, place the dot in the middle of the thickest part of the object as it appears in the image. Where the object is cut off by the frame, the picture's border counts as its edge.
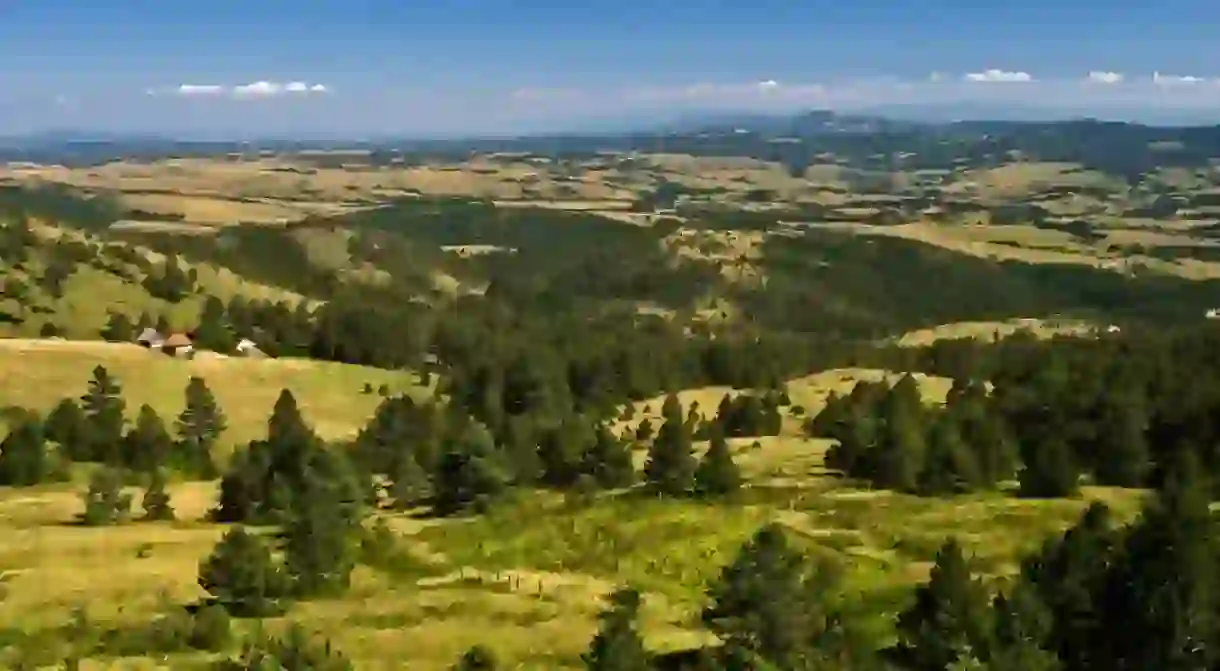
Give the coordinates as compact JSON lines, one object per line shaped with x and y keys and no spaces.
{"x":465,"y":66}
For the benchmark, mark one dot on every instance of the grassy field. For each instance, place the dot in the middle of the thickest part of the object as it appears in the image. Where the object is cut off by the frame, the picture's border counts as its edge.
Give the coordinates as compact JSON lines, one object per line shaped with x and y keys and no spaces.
{"x":807,"y":393}
{"x":531,"y":595}
{"x":1041,"y":328}
{"x":37,"y":374}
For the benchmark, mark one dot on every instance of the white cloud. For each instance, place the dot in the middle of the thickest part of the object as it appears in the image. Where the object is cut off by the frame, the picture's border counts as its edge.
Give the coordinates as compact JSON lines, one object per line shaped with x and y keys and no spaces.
{"x":997,"y":76}
{"x":1103,"y":77}
{"x":200,"y":90}
{"x":259,"y":89}
{"x":1159,"y":78}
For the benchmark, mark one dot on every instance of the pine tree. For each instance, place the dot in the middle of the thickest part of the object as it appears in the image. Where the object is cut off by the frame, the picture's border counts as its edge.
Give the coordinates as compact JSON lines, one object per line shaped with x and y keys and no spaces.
{"x":242,"y":576}
{"x":950,"y":615}
{"x":199,"y":427}
{"x":1162,"y":589}
{"x":469,"y":472}
{"x":608,"y":460}
{"x":763,"y":606}
{"x":286,"y":427}
{"x":214,"y":332}
{"x":618,"y":645}
{"x":156,"y":502}
{"x":147,"y":445}
{"x":717,"y":474}
{"x":103,"y":407}
{"x":986,"y":436}
{"x":1022,"y":629}
{"x":24,"y":460}
{"x":478,"y":658}
{"x":901,"y":446}
{"x":670,"y":469}
{"x":67,"y":426}
{"x":1122,"y":444}
{"x":119,"y":328}
{"x":409,"y":483}
{"x":319,"y":549}
{"x":950,"y":466}
{"x":1050,"y":470}
{"x":1066,"y":576}
{"x":105,"y":501}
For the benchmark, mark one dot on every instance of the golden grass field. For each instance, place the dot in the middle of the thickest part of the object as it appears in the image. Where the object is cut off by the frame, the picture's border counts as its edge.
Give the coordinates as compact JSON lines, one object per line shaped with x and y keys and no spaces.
{"x":1041,"y":328}
{"x":37,"y":374}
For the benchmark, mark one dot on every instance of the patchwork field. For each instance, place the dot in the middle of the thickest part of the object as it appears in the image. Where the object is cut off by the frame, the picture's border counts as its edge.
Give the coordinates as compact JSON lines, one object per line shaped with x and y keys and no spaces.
{"x":37,"y":374}
{"x":1033,"y":245}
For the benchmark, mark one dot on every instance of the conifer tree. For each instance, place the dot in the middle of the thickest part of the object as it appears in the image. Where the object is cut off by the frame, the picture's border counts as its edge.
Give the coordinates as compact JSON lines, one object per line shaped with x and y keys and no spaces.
{"x":670,"y":469}
{"x":321,"y":527}
{"x":147,"y":445}
{"x":1163,"y":587}
{"x":199,"y":427}
{"x":1022,"y":629}
{"x":469,"y":472}
{"x":764,"y":605}
{"x":214,"y":332}
{"x":1065,"y":576}
{"x":950,"y":466}
{"x":608,"y":460}
{"x":242,"y":576}
{"x":1122,"y":445}
{"x":67,"y":426}
{"x":156,"y":502}
{"x":409,"y":482}
{"x":717,"y":474}
{"x":103,"y":408}
{"x":901,"y":444}
{"x":24,"y":460}
{"x":118,"y":328}
{"x":1050,"y":469}
{"x":618,"y":645}
{"x":105,"y":501}
{"x":950,"y":616}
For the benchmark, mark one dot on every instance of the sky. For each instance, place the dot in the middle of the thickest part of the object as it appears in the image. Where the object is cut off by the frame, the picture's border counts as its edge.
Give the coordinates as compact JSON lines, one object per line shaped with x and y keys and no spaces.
{"x":463,"y":67}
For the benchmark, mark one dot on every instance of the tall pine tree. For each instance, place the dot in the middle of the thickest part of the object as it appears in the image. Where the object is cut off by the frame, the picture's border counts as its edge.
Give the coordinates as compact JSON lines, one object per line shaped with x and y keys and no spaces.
{"x":199,"y":427}
{"x":949,"y":618}
{"x":717,"y":474}
{"x":103,"y":408}
{"x":670,"y":469}
{"x":618,"y":645}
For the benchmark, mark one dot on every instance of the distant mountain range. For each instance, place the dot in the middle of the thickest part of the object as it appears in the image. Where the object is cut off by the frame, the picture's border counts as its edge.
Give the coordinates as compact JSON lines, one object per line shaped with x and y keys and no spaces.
{"x":870,"y":141}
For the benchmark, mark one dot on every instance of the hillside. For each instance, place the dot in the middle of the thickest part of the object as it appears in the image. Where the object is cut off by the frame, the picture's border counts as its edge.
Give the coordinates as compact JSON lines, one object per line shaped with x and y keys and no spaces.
{"x":873,"y":374}
{"x":37,"y":374}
